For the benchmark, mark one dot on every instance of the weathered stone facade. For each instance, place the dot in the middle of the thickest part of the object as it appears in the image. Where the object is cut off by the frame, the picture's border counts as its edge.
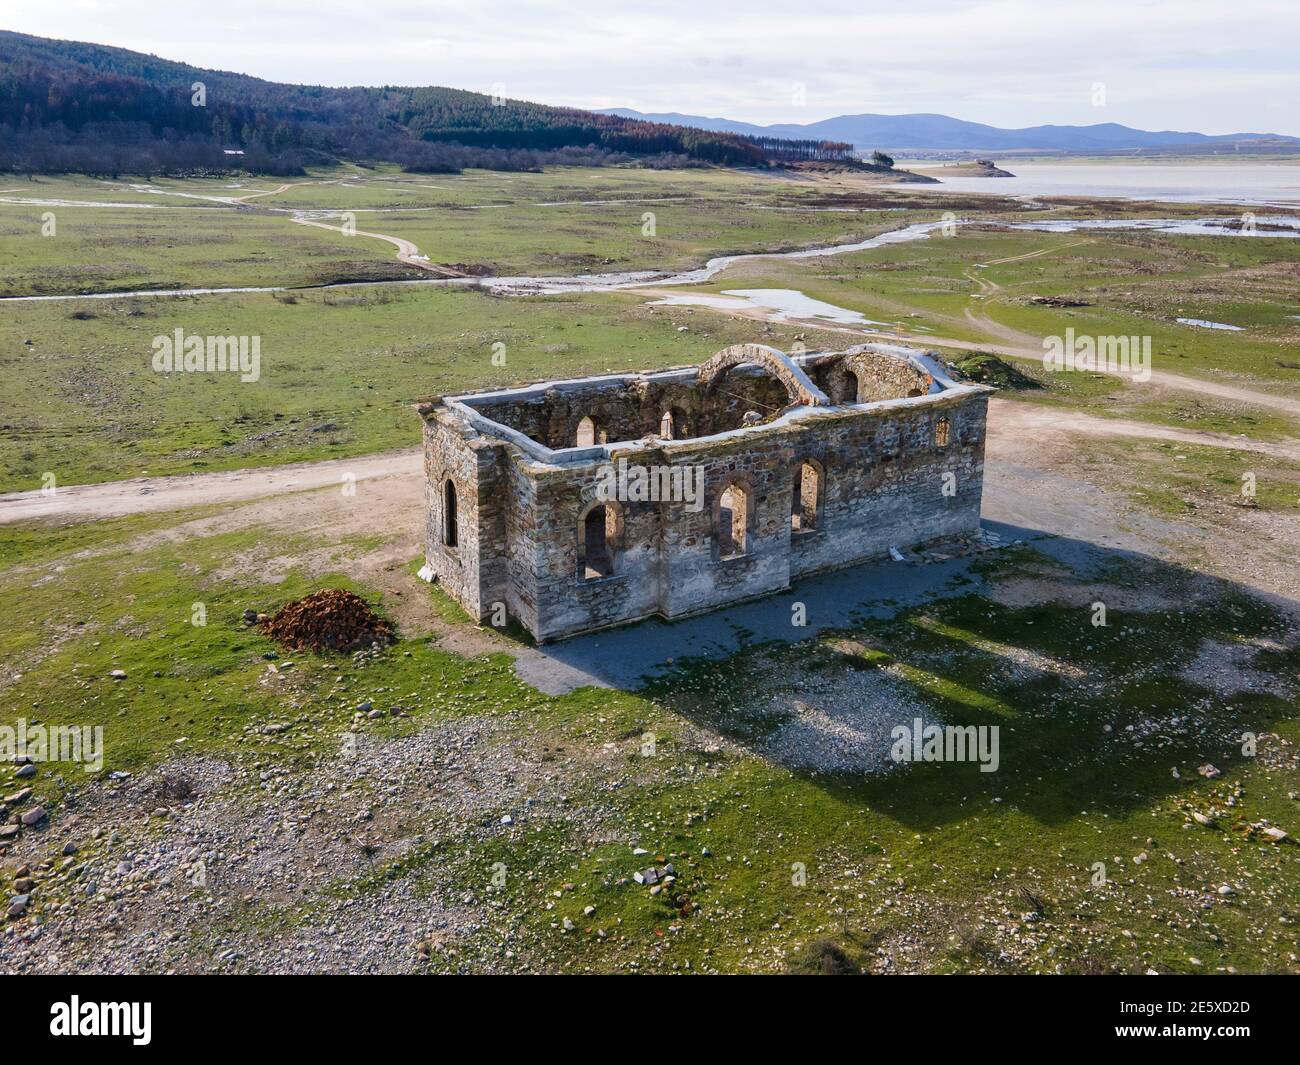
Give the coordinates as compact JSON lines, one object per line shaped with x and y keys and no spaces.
{"x":800,"y":465}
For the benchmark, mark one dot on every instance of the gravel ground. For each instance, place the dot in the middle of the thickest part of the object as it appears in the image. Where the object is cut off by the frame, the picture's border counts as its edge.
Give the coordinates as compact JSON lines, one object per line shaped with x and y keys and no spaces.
{"x":840,"y":723}
{"x":201,"y":866}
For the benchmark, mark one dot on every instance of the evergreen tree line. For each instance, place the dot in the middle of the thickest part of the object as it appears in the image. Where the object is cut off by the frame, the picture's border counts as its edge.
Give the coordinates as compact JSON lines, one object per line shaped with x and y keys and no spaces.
{"x":779,"y":148}
{"x":66,"y":106}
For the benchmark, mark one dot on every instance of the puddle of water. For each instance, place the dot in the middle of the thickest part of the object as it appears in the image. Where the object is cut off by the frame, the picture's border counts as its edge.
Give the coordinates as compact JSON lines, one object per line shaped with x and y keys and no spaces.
{"x":1205,"y":324}
{"x":779,"y":305}
{"x":1264,"y":226}
{"x":715,"y":266}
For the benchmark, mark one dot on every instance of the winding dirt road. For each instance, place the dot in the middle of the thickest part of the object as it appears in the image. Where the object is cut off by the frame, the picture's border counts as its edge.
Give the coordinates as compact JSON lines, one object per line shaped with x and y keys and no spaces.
{"x":407,"y":252}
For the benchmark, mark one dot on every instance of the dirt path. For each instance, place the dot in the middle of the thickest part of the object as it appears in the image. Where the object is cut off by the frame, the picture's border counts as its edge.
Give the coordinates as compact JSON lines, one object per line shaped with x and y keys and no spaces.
{"x":271,"y":192}
{"x":1028,"y":422}
{"x":1021,"y":345}
{"x":144,"y":495}
{"x":1035,"y":254}
{"x":407,"y":252}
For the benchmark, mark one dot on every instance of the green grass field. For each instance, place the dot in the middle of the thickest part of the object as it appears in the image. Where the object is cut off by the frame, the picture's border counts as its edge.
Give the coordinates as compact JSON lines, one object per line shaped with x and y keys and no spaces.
{"x":979,"y":872}
{"x":939,"y":867}
{"x":561,"y":222}
{"x":84,"y":403}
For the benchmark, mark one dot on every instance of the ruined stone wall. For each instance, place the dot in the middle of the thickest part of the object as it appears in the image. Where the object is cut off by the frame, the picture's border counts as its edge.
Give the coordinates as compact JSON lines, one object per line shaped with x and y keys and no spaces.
{"x":866,"y":376}
{"x":894,"y":475}
{"x":458,"y":569}
{"x":699,"y":578}
{"x":568,"y":603}
{"x":631,"y":409}
{"x":551,"y":416}
{"x":884,"y":483}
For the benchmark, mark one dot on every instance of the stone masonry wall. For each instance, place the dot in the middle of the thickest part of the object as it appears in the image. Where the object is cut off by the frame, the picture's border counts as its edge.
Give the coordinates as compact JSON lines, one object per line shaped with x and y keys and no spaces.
{"x":629,"y":409}
{"x":882,"y":484}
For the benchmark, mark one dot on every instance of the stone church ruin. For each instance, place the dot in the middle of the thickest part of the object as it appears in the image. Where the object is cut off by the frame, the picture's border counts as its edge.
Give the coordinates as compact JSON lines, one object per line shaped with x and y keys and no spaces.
{"x":577,"y":505}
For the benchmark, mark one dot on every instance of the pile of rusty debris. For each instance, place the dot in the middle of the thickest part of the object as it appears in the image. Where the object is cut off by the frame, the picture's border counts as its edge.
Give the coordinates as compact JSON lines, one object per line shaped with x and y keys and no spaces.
{"x":329,"y":620}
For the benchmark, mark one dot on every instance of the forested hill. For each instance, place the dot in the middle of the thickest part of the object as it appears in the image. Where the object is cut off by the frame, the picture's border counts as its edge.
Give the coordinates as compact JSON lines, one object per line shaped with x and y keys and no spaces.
{"x":68,"y":106}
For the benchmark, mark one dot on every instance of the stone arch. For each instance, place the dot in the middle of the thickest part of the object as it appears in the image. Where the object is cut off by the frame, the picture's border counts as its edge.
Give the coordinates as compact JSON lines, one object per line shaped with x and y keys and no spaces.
{"x":840,"y":381}
{"x":674,"y":425}
{"x":798,"y":384}
{"x":733,"y":519}
{"x":807,"y":496}
{"x":882,"y":376}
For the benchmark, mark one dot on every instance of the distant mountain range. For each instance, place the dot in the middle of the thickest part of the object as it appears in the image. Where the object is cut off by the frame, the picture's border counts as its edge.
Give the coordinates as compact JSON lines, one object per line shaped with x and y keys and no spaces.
{"x":940,"y":132}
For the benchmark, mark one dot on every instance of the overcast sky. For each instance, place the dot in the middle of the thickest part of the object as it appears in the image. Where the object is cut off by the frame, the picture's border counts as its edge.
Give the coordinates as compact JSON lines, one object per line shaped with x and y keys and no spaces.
{"x":1205,"y":65}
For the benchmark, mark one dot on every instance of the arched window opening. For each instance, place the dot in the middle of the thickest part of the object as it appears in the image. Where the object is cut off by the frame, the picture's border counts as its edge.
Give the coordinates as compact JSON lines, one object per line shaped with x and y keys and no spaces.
{"x":598,"y":543}
{"x":941,"y":431}
{"x":733,"y":522}
{"x":450,"y":535}
{"x":586,"y":433}
{"x":806,"y":503}
{"x":672,"y":426}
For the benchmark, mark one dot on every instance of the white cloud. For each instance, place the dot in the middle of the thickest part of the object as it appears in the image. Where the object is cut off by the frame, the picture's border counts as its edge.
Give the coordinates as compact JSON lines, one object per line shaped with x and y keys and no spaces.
{"x":1199,"y":64}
